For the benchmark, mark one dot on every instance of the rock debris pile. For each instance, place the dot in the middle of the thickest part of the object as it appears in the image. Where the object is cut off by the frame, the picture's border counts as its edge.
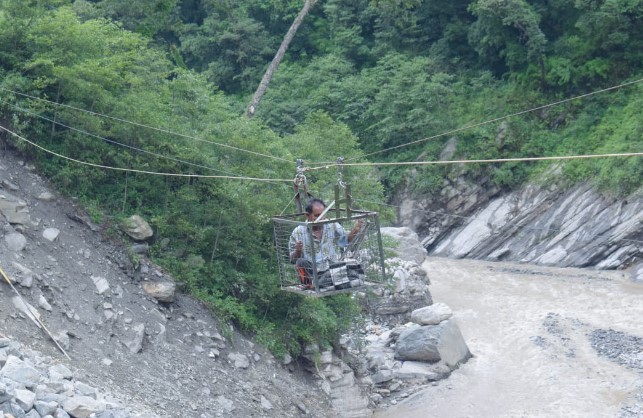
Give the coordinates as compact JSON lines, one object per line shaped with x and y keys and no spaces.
{"x":33,"y":386}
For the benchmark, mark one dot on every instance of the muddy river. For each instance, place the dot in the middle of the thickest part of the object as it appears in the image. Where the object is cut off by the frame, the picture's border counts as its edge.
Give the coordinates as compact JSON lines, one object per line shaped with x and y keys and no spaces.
{"x":547,"y":342}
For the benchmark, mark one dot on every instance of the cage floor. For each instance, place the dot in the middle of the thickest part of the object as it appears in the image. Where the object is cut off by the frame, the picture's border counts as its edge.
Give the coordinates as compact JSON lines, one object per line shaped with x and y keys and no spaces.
{"x":299,"y":289}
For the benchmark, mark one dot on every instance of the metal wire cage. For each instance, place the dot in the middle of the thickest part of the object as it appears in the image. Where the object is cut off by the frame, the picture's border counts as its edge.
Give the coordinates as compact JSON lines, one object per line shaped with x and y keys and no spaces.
{"x":355,"y":261}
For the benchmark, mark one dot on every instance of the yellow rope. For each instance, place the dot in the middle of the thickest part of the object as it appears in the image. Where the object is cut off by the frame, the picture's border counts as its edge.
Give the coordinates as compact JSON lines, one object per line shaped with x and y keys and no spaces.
{"x":495,"y":160}
{"x":131,"y":170}
{"x":38,"y":320}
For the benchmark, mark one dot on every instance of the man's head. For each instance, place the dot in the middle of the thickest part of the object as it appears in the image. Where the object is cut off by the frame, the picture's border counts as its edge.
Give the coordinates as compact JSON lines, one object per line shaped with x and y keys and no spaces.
{"x":314,"y":208}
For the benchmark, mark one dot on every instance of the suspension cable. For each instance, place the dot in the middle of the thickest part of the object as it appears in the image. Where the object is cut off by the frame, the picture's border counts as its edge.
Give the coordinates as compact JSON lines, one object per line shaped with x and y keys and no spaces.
{"x":131,"y":170}
{"x":141,"y":125}
{"x":116,"y":142}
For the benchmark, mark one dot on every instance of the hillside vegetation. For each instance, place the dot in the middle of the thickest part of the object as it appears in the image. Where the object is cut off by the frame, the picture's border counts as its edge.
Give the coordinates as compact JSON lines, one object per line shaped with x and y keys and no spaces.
{"x":381,"y":78}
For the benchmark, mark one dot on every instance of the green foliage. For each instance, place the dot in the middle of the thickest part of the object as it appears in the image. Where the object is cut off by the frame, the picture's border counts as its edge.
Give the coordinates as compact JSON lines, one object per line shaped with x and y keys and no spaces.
{"x":392,"y":80}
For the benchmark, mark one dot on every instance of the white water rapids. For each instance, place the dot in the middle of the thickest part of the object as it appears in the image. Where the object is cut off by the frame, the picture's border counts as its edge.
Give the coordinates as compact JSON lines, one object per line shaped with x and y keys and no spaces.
{"x":530,"y":331}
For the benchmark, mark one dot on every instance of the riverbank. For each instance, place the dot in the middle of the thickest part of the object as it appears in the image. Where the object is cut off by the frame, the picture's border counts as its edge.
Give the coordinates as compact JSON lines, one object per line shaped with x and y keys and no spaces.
{"x":546,"y":342}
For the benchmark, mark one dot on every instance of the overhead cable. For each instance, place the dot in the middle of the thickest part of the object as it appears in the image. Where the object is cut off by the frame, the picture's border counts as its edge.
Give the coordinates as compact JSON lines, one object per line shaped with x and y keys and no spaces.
{"x":494,"y":160}
{"x":131,"y":170}
{"x":141,"y":125}
{"x":116,"y":142}
{"x":463,"y":128}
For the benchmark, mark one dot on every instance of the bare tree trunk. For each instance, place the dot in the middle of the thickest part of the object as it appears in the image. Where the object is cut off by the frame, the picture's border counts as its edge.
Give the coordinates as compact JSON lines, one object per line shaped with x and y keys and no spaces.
{"x":263,"y":86}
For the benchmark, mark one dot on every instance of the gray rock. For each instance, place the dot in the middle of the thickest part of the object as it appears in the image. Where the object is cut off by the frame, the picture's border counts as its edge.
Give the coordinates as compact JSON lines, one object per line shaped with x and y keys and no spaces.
{"x":86,"y":390}
{"x":265,"y":403}
{"x":161,"y":291}
{"x":140,"y":248}
{"x":42,"y":302}
{"x":240,"y":361}
{"x":32,"y":414}
{"x":61,"y":413}
{"x":422,"y":371}
{"x":12,"y":409}
{"x":9,"y":185}
{"x":46,"y":408}
{"x":21,"y":372}
{"x":101,"y":283}
{"x":135,"y":342}
{"x":82,"y":406}
{"x":24,"y":398}
{"x":46,"y":196}
{"x":15,"y":241}
{"x":431,"y":315}
{"x":50,"y":234}
{"x":60,"y":371}
{"x":433,"y":343}
{"x":408,"y":246}
{"x":137,"y":228}
{"x":382,"y":377}
{"x":225,"y":403}
{"x":14,"y":209}
{"x":6,"y":393}
{"x":25,"y":276}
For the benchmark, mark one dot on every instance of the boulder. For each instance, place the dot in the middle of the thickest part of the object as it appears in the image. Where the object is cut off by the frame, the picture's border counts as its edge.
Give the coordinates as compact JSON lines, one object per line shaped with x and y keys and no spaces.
{"x":137,"y":228}
{"x":161,"y":291}
{"x":101,"y":283}
{"x":21,"y":372}
{"x":25,"y":276}
{"x":15,"y":241}
{"x":50,"y":234}
{"x":240,"y":361}
{"x":135,"y":341}
{"x":14,"y":209}
{"x":433,"y":343}
{"x":431,"y":315}
{"x":408,"y":246}
{"x":83,"y":406}
{"x":46,"y":196}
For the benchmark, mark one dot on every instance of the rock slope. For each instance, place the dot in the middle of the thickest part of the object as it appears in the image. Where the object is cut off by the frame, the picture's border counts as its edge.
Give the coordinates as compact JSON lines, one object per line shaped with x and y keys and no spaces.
{"x":542,"y":224}
{"x":130,"y":353}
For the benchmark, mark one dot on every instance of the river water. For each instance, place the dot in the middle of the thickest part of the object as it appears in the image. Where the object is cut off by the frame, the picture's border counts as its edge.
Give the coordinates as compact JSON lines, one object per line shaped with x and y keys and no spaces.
{"x":531,"y":330}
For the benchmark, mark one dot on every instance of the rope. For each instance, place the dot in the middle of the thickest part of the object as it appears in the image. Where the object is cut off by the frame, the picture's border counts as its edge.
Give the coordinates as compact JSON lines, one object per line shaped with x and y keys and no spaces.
{"x":414,"y":210}
{"x":115,"y":142}
{"x":499,"y":118}
{"x":131,"y":170}
{"x":167,"y":131}
{"x":495,"y":160}
{"x":288,"y":204}
{"x":36,"y":318}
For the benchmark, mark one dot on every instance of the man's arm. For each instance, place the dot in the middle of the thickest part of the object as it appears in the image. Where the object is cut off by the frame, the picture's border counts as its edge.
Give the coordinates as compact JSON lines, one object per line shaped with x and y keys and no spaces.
{"x":355,"y":230}
{"x":295,"y":245}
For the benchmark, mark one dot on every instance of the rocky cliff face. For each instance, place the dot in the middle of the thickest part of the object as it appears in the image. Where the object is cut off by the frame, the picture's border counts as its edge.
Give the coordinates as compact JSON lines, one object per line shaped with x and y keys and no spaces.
{"x":541,"y":224}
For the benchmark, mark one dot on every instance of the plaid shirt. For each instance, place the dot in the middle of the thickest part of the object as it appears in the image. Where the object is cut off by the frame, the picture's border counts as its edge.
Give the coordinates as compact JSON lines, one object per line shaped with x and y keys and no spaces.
{"x":333,"y":236}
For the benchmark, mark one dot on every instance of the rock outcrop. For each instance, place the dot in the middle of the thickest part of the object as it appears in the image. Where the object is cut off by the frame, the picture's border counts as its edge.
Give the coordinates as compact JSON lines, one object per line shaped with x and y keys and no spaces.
{"x":577,"y":229}
{"x":541,"y":224}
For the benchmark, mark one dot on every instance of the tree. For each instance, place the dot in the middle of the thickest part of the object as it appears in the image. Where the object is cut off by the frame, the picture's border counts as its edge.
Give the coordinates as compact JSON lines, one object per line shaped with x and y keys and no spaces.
{"x":263,"y":85}
{"x":509,"y":28}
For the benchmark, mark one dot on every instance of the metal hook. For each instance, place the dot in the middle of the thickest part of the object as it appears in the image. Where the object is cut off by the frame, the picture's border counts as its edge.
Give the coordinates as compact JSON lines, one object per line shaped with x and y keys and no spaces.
{"x":300,"y":181}
{"x":340,"y":172}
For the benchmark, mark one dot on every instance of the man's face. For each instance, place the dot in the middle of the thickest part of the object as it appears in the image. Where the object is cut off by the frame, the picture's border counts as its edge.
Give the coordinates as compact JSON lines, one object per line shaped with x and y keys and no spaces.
{"x":317,"y":210}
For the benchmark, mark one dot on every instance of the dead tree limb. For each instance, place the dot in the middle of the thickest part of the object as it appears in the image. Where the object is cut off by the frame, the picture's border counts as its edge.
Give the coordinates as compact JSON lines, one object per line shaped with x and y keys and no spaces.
{"x":263,"y":86}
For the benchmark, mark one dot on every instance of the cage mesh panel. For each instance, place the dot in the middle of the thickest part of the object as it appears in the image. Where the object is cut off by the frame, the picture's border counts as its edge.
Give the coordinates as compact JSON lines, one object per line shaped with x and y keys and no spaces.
{"x":364,"y":249}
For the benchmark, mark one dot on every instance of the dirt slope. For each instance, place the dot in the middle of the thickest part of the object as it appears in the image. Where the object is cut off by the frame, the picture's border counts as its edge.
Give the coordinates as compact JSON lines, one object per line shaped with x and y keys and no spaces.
{"x":190,"y":365}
